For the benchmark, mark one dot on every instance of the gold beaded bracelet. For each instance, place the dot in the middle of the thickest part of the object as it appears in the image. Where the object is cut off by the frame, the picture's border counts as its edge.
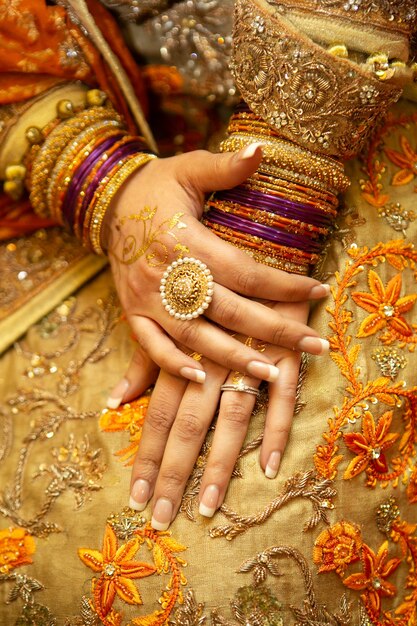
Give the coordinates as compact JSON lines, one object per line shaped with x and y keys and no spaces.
{"x":325,"y":169}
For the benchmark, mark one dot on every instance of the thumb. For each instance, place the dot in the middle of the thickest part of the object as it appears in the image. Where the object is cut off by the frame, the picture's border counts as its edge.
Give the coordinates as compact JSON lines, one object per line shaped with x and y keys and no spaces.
{"x":211,"y":172}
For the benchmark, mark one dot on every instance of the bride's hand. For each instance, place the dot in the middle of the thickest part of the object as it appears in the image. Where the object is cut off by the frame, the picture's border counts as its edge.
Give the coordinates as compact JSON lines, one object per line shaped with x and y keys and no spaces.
{"x":178,"y":420}
{"x":155,"y":217}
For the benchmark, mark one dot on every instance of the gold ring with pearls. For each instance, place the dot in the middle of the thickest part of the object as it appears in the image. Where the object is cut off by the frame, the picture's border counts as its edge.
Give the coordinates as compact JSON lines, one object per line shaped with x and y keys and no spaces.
{"x":186,"y":288}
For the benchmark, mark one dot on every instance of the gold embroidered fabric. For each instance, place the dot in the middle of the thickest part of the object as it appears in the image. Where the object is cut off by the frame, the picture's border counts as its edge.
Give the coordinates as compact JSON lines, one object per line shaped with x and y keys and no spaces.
{"x":331,"y":541}
{"x":36,"y":274}
{"x":323,"y":103}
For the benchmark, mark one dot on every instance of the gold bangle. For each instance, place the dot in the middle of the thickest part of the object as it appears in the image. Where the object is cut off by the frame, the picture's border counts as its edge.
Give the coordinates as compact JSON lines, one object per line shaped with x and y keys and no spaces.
{"x":106,"y":195}
{"x":71,"y":158}
{"x":288,"y":155}
{"x":53,"y":147}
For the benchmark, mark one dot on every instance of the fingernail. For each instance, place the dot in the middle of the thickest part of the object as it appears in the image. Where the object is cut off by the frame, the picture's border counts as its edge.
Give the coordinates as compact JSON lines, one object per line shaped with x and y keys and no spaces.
{"x":263,"y":371}
{"x":162,"y":514}
{"x":314,"y":345}
{"x":197,"y":376}
{"x":116,"y":396}
{"x":271,"y":469}
{"x":320,"y":291}
{"x":209,"y":500}
{"x":249,"y":151}
{"x":139,"y":495}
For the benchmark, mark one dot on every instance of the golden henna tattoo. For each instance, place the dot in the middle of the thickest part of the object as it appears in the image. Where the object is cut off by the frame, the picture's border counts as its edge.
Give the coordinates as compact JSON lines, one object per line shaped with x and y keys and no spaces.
{"x":151,"y":236}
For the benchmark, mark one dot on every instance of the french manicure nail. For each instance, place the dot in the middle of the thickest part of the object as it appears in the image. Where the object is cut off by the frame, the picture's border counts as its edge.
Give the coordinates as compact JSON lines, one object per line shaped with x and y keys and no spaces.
{"x":249,"y":151}
{"x":271,"y":469}
{"x":116,"y":396}
{"x":263,"y":371}
{"x":313,"y":345}
{"x":139,"y":495}
{"x":209,"y":501}
{"x":197,"y":376}
{"x":162,"y":514}
{"x":320,"y":291}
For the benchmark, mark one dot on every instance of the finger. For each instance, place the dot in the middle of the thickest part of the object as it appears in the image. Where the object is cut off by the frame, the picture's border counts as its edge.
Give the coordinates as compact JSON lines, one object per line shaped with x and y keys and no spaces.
{"x":234,"y":415}
{"x":163,"y":408}
{"x":141,"y":374}
{"x":208,"y":172}
{"x":163,"y":351}
{"x":215,"y":344}
{"x":280,"y":413}
{"x":246,"y":276}
{"x":255,"y":319}
{"x":191,"y":425}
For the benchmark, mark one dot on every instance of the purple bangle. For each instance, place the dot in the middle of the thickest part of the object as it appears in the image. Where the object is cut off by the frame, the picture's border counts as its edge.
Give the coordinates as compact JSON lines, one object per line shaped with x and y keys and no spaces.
{"x":79,"y":176}
{"x":124,"y":151}
{"x":280,"y":206}
{"x":271,"y":234}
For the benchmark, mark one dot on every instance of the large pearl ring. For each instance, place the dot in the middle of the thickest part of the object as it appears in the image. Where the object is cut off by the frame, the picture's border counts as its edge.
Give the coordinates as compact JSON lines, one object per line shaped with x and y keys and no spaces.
{"x":186,"y":288}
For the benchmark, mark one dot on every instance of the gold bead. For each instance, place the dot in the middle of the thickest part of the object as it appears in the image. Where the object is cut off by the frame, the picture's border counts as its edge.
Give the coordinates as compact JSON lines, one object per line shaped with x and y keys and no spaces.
{"x":338,"y":50}
{"x":96,"y":97}
{"x":13,"y":188}
{"x":65,"y":109}
{"x":34,"y":135}
{"x":15,"y":172}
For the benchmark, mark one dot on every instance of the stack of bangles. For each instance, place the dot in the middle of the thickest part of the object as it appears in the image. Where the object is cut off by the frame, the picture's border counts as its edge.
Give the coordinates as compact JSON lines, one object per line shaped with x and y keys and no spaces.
{"x":75,"y":166}
{"x":283,"y":214}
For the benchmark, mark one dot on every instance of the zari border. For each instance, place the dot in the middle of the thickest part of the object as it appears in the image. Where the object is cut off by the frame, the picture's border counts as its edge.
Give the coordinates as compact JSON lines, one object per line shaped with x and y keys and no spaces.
{"x":16,"y":324}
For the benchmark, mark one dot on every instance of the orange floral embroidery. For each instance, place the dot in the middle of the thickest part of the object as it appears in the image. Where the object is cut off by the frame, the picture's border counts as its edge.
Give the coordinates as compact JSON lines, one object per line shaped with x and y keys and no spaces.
{"x":337,"y":547}
{"x":117,"y":570}
{"x":373,"y":579}
{"x":370,"y":444}
{"x":406,"y":160}
{"x":384,"y":305}
{"x":16,"y":547}
{"x":359,"y":394}
{"x":129,"y":417}
{"x":412,"y":487}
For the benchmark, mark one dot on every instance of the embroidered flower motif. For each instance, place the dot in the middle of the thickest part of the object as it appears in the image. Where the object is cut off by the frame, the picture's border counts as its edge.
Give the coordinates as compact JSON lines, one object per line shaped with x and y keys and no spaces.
{"x":16,"y":546}
{"x":376,"y":569}
{"x":406,"y":160}
{"x":369,"y":445}
{"x":384,"y":305}
{"x":117,"y":570}
{"x":129,"y":417}
{"x":336,"y":547}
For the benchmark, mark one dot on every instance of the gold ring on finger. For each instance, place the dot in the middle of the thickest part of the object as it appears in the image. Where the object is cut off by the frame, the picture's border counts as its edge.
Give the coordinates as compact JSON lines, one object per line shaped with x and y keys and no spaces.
{"x":186,"y":288}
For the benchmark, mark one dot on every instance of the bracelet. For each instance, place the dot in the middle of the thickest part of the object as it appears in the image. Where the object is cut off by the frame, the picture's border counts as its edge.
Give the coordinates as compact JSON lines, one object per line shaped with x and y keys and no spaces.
{"x":92,"y":229}
{"x":53,"y":147}
{"x":71,"y":158}
{"x":328,"y":171}
{"x":95,"y":183}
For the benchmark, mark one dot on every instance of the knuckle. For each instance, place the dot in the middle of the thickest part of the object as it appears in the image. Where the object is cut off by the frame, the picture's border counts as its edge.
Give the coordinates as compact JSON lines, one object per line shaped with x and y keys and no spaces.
{"x":228,"y":312}
{"x":188,"y":334}
{"x":247,"y":281}
{"x":189,"y":426}
{"x":171,"y":477}
{"x":145,"y":466}
{"x":158,"y":419}
{"x":235,"y":414}
{"x":232,"y":359}
{"x":288,"y":391}
{"x":219,"y":468}
{"x":278,"y":334}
